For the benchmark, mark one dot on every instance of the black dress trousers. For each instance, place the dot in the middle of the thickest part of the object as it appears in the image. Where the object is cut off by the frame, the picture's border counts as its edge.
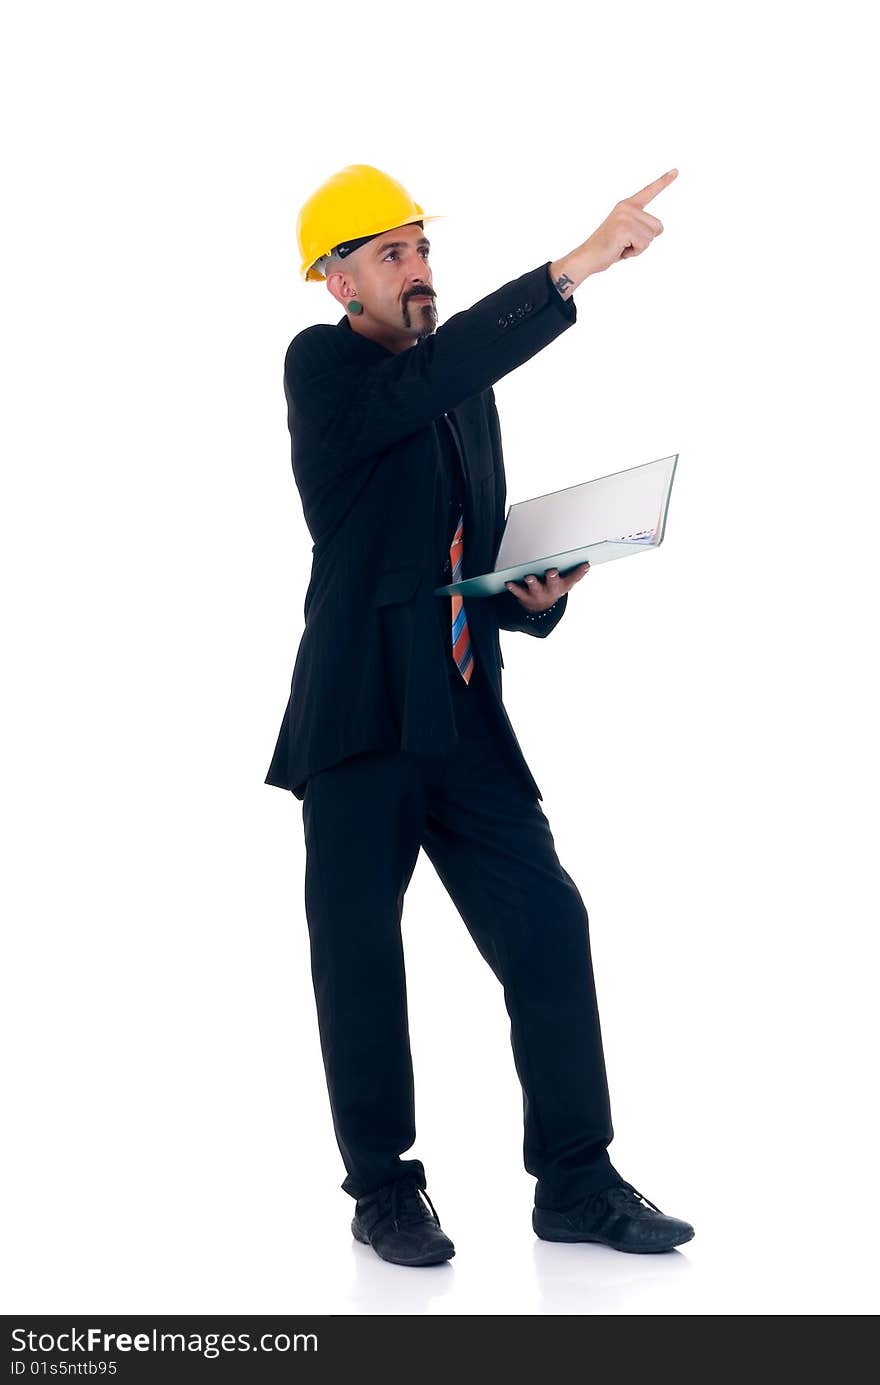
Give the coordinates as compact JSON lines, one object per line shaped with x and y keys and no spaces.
{"x":486,"y":835}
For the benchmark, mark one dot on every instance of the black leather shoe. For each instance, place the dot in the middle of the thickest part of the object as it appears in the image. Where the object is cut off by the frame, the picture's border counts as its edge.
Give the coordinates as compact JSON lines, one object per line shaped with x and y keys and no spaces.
{"x":399,"y":1227}
{"x":616,"y":1217}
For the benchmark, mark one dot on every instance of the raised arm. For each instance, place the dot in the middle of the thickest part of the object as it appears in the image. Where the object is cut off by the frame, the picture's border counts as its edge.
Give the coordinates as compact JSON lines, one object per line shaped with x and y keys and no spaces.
{"x":348,"y":413}
{"x":627,"y":231}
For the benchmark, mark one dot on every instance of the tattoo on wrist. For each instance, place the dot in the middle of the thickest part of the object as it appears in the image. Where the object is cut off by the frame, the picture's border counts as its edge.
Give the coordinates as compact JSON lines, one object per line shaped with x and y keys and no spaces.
{"x":562,"y":283}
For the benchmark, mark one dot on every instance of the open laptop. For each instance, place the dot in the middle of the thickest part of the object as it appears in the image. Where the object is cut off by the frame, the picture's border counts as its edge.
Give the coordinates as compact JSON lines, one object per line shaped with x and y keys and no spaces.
{"x":609,"y":517}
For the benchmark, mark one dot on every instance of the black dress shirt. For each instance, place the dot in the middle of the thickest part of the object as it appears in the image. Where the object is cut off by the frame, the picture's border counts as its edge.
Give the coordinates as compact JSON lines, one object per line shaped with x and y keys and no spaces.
{"x":454,"y":486}
{"x":453,"y":490}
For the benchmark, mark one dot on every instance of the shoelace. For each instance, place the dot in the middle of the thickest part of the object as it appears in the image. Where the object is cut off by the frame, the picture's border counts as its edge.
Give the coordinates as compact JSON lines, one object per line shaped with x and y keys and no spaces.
{"x":629,"y":1191}
{"x":407,"y":1205}
{"x":618,"y":1195}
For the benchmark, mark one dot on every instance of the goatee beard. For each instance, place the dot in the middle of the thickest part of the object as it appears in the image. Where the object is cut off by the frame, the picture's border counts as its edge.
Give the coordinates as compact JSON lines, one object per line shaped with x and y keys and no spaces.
{"x":425,"y":320}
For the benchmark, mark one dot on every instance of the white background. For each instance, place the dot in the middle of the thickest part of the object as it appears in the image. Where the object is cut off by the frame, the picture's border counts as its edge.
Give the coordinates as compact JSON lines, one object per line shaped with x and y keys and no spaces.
{"x":702,"y":722}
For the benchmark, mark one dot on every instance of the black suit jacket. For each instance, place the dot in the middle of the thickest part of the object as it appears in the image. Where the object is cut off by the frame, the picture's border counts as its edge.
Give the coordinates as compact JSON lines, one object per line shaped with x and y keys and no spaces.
{"x":371,"y":671}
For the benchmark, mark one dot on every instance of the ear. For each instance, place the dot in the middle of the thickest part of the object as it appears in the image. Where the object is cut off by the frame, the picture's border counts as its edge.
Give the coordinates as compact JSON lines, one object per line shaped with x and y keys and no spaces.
{"x":340,"y":287}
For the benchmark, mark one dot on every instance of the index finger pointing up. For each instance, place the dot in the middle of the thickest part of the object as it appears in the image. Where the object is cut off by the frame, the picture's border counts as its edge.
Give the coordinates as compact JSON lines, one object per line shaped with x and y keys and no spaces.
{"x":643,"y":197}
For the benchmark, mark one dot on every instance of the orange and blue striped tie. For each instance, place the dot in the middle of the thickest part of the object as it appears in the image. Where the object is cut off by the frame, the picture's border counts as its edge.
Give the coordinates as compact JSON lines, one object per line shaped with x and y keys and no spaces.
{"x":461,"y":638}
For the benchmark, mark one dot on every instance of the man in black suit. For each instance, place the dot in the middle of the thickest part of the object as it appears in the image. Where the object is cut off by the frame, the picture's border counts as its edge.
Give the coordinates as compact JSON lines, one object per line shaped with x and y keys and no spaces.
{"x":395,"y":735}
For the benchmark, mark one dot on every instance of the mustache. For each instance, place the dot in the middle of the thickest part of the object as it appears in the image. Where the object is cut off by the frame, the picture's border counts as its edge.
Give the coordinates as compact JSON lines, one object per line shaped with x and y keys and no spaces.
{"x":419,"y":293}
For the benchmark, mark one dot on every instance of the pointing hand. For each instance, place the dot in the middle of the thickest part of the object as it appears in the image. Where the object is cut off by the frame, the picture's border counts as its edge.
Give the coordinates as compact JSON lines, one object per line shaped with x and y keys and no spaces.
{"x":629,"y":229}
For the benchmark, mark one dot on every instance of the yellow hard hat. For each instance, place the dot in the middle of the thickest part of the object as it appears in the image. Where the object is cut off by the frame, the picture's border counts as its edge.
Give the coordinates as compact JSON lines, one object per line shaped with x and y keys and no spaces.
{"x":358,"y":202}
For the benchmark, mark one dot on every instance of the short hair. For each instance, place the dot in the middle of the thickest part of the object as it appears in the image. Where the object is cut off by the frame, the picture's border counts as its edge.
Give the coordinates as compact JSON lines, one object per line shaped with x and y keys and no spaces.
{"x":329,"y":264}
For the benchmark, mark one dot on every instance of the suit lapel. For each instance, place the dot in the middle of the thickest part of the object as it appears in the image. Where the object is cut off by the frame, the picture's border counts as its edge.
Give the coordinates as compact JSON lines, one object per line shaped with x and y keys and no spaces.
{"x":462,"y":427}
{"x":465,"y":425}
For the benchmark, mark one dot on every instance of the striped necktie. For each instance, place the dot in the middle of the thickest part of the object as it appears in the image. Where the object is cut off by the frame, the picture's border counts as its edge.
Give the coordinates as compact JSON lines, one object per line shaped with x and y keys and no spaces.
{"x":461,"y":638}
